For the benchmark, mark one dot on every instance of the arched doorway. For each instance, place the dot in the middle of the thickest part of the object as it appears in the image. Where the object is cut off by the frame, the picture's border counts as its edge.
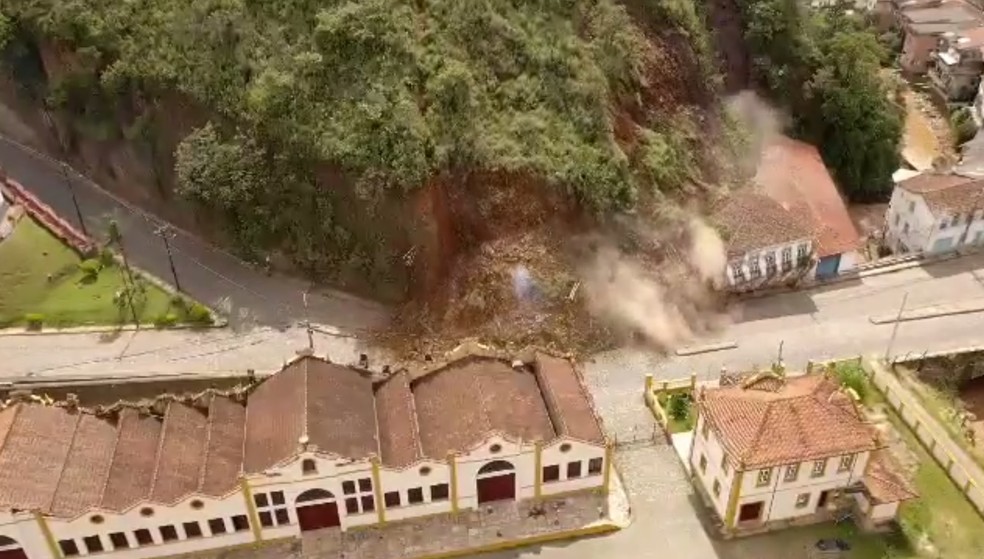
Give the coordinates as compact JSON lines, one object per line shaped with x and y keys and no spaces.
{"x":496,"y":482}
{"x":10,"y":549}
{"x":316,"y":509}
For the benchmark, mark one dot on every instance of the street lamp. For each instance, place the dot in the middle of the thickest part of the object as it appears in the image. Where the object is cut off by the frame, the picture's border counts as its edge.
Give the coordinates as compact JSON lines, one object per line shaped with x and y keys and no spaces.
{"x":63,"y":167}
{"x":166,"y":234}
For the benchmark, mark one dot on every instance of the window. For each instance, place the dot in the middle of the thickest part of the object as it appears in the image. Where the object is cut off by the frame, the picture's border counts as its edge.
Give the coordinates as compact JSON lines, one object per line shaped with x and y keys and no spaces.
{"x":352,"y":505}
{"x":566,"y":447}
{"x":392,"y":499}
{"x":68,"y":548}
{"x":573,"y":470}
{"x":705,"y":428}
{"x":362,"y":499}
{"x":119,"y":541}
{"x":943,"y":224}
{"x":764,"y":477}
{"x":738,"y":272}
{"x":415,"y":495}
{"x":266,"y":519}
{"x":787,"y":259}
{"x":724,"y":465}
{"x":792,"y":472}
{"x":261,"y":500}
{"x":802,"y":500}
{"x":551,"y":473}
{"x":272,"y":509}
{"x":309,"y":466}
{"x":912,"y":207}
{"x":595,"y":465}
{"x":819,"y":467}
{"x":192,"y":530}
{"x":240,"y":523}
{"x":905,"y":228}
{"x":754,"y":266}
{"x":717,"y":488}
{"x":846,"y":463}
{"x":348,"y":487}
{"x":803,"y":254}
{"x":770,"y":263}
{"x":495,"y":449}
{"x":277,"y":497}
{"x":217,"y":526}
{"x":146,"y":511}
{"x":703,"y":463}
{"x":93,"y":544}
{"x":197,"y":504}
{"x":368,"y":503}
{"x":143,"y":537}
{"x":439,"y":492}
{"x":97,"y":519}
{"x":365,"y":484}
{"x":168,"y":533}
{"x":425,"y":470}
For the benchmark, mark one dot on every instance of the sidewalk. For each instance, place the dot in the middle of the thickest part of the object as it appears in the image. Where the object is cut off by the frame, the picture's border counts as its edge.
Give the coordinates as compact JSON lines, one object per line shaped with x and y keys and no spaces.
{"x":965,"y":473}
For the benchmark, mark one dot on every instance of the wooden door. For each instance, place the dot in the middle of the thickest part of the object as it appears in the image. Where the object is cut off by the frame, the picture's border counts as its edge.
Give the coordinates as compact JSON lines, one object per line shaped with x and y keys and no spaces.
{"x":497,"y":488}
{"x":13,"y":554}
{"x":316,"y":517}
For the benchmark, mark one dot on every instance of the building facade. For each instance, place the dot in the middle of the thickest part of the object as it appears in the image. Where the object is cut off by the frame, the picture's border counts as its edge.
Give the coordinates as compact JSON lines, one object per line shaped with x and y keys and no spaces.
{"x":923,"y":25}
{"x":956,"y":66}
{"x":935,"y":213}
{"x":772,"y":452}
{"x":317,"y":446}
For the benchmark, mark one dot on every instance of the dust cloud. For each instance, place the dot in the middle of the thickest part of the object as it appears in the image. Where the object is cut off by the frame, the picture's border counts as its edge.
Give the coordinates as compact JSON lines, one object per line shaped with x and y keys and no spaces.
{"x":667,"y":303}
{"x":760,"y":122}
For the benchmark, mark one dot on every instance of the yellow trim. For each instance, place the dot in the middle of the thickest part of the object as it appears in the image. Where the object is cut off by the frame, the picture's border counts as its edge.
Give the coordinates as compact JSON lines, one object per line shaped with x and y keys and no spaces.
{"x":608,"y":467}
{"x":521,"y":542}
{"x":538,"y":482}
{"x":378,"y":490}
{"x":729,"y":514}
{"x":49,"y":538}
{"x":453,"y":466}
{"x":254,"y":518}
{"x":649,"y":382}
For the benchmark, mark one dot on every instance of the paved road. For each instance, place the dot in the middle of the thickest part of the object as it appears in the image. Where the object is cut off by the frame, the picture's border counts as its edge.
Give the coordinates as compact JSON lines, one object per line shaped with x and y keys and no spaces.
{"x":205,"y":272}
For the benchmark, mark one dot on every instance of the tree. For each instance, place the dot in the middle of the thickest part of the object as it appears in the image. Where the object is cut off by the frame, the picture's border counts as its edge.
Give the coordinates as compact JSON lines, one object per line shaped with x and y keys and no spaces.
{"x":678,"y":407}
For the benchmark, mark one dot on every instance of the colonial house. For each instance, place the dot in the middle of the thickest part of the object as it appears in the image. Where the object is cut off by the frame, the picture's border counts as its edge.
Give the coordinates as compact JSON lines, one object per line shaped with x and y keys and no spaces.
{"x":791,"y":223}
{"x":924,"y":26}
{"x":771,"y":451}
{"x":316,"y":446}
{"x":956,"y":66}
{"x":935,"y":213}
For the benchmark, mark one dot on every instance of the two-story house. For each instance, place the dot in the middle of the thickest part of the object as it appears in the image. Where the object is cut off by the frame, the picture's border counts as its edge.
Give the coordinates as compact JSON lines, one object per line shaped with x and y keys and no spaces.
{"x":772,"y":451}
{"x":956,"y":66}
{"x":935,"y":213}
{"x":924,"y":26}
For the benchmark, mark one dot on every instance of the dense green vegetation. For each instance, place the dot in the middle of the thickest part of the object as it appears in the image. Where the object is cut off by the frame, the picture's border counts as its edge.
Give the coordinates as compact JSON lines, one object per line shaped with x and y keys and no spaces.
{"x":380,"y":95}
{"x":825,"y":66}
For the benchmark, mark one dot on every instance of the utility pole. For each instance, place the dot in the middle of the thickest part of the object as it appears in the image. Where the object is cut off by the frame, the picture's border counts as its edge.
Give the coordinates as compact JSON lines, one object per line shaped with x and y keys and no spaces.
{"x":165,"y":233}
{"x":63,"y":167}
{"x":895,"y":329}
{"x":307,"y":320}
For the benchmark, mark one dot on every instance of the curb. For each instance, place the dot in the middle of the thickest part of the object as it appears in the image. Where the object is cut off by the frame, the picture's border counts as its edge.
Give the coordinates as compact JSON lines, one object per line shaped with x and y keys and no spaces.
{"x":66,"y":381}
{"x":709,"y":348}
{"x":7,"y":332}
{"x":924,"y":314}
{"x":598,"y":530}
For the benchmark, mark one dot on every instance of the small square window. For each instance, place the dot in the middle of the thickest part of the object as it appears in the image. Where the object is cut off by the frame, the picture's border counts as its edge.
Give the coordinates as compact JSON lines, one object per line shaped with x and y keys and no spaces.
{"x":724,"y":465}
{"x":352,"y":505}
{"x":819,"y":468}
{"x":348,"y":487}
{"x":217,"y":526}
{"x":266,"y":519}
{"x":912,"y":206}
{"x":439,"y":492}
{"x":392,"y":499}
{"x":240,"y":523}
{"x":792,"y":472}
{"x":415,"y":495}
{"x":168,"y":533}
{"x":595,"y":465}
{"x":93,"y":544}
{"x":551,"y":473}
{"x":365,"y":484}
{"x":802,"y":500}
{"x":261,"y":500}
{"x":309,"y":466}
{"x":368,"y":503}
{"x":143,"y":537}
{"x":703,"y":463}
{"x":717,"y":488}
{"x":192,"y":530}
{"x":763,"y":478}
{"x":846,"y":463}
{"x":277,"y":497}
{"x":282,"y":517}
{"x":573,"y":470}
{"x":119,"y":541}
{"x":68,"y":548}
{"x":705,"y":428}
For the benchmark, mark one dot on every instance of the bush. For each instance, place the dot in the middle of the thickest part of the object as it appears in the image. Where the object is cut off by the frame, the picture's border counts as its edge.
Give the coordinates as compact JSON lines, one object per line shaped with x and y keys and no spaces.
{"x":106,"y":257}
{"x":179,"y":302}
{"x":34,"y":320}
{"x":678,"y":406}
{"x":963,"y":125}
{"x":167,"y":320}
{"x":198,"y":314}
{"x":90,"y":269}
{"x":851,"y":375}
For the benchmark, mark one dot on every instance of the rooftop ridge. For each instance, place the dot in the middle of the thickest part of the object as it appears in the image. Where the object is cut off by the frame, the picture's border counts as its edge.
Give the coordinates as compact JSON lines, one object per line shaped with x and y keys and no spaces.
{"x":61,"y":471}
{"x":112,"y":460}
{"x":207,"y":439}
{"x":160,"y":448}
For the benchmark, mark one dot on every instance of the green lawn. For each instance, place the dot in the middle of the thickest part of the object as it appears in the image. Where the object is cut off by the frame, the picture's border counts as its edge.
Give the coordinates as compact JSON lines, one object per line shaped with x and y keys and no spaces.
{"x":31,"y":255}
{"x":676,"y":425}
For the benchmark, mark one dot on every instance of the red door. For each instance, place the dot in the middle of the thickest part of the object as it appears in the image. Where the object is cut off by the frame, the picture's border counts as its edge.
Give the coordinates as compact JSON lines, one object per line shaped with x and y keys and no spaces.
{"x":315,"y":517}
{"x":497,"y":488}
{"x":13,"y":554}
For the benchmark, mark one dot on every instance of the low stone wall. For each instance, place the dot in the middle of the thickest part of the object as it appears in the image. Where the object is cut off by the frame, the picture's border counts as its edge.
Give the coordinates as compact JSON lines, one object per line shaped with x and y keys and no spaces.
{"x":47,"y":217}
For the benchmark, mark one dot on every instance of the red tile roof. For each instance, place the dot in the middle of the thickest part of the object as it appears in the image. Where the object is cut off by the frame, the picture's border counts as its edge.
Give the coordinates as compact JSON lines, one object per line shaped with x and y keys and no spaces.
{"x":134,"y":460}
{"x":399,"y":439}
{"x":803,"y":418}
{"x":792,"y":173}
{"x":885,"y":481}
{"x":223,"y":447}
{"x":947,"y":193}
{"x":567,"y":400}
{"x":751,"y":221}
{"x":181,"y":453}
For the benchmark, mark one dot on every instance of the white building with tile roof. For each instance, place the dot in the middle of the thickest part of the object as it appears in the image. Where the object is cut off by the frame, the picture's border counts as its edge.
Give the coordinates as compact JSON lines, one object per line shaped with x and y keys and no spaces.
{"x":935,"y":213}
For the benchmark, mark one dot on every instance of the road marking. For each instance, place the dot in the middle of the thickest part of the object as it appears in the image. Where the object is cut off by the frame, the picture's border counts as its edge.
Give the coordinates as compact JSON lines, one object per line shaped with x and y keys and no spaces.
{"x":694,"y":350}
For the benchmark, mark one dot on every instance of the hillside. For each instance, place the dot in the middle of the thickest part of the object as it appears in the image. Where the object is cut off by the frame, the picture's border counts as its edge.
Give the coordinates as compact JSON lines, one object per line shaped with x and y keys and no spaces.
{"x":373,"y":144}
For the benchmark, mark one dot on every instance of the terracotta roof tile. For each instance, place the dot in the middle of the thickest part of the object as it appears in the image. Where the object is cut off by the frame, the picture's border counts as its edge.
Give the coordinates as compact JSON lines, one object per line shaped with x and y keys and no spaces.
{"x":792,"y":173}
{"x":275,"y":418}
{"x":461,"y":404}
{"x":181,"y":453}
{"x":399,"y":441}
{"x":567,"y":400}
{"x":751,"y":221}
{"x":33,"y":455}
{"x":134,"y":460}
{"x":947,"y":194}
{"x":803,"y":420}
{"x":884,"y":480}
{"x":341,"y":410}
{"x":86,"y":467}
{"x":224,"y":447}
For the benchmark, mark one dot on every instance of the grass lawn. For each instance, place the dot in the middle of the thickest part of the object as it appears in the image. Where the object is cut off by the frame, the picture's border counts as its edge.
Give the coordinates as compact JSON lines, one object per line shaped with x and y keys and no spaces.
{"x":676,"y":425}
{"x":32,"y":254}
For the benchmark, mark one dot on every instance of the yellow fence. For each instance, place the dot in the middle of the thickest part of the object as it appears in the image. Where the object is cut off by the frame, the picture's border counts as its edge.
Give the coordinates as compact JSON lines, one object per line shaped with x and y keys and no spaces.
{"x":654,"y":388}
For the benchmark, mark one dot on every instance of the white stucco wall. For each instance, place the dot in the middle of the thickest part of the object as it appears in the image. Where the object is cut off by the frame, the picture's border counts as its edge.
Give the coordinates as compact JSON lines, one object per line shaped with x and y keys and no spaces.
{"x":412,"y":477}
{"x":24,"y":529}
{"x":565,"y":451}
{"x":887,"y":511}
{"x":746,"y":260}
{"x":709,"y":447}
{"x":848,"y":262}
